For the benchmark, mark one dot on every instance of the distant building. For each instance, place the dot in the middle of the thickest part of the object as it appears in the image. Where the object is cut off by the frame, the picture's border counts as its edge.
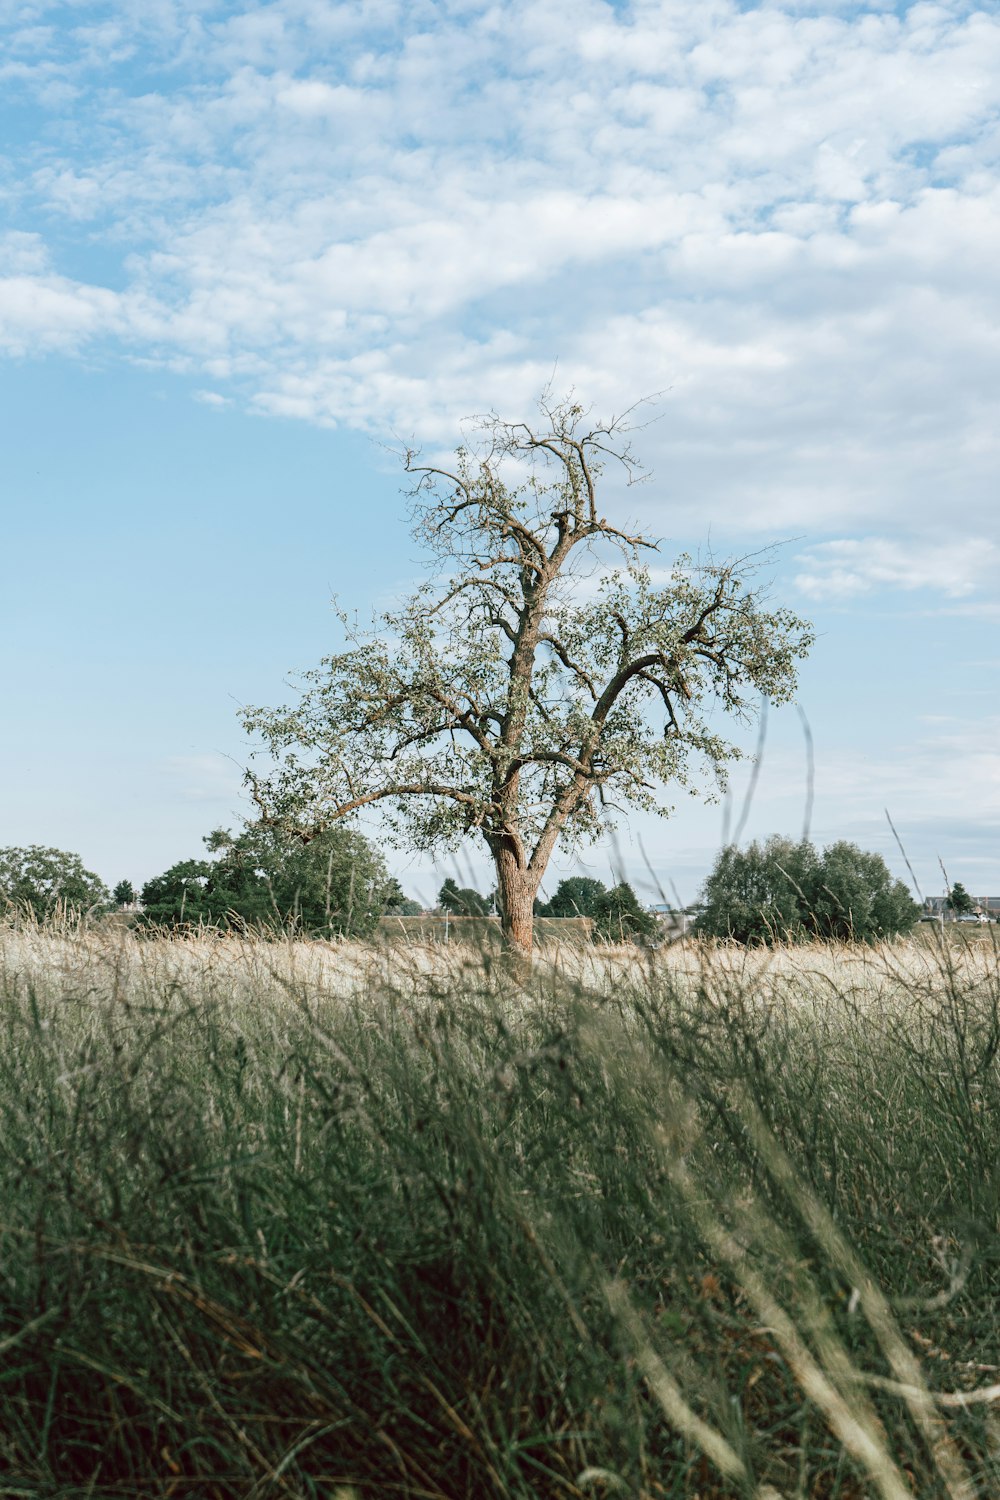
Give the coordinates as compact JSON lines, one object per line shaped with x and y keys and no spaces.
{"x":937,"y":906}
{"x":673,"y":922}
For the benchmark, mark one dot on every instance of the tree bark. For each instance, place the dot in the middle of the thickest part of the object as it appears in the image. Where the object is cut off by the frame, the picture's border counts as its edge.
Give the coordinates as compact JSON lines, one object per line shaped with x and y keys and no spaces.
{"x":517,"y":888}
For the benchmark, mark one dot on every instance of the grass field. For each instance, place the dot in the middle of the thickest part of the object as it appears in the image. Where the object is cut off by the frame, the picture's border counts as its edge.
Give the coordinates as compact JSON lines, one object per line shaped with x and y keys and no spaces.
{"x":300,"y":1220}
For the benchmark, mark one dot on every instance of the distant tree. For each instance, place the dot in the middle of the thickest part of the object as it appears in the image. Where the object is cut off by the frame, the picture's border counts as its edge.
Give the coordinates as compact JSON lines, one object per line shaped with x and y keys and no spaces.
{"x":123,"y":893}
{"x":619,"y":918}
{"x":44,"y":879}
{"x":959,"y":900}
{"x":180,"y":896}
{"x":396,"y":903}
{"x":332,"y":885}
{"x":784,"y":891}
{"x":577,"y":896}
{"x":462,"y":901}
{"x":858,"y":899}
{"x":751,"y":894}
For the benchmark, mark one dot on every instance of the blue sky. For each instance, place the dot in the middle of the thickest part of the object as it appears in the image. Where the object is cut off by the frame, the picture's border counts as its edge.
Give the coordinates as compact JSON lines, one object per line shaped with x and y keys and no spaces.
{"x":244,"y":247}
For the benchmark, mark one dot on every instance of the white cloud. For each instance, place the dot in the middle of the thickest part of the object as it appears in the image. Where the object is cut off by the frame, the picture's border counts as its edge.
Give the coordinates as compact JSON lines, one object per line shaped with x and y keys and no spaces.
{"x":22,"y":253}
{"x":314,"y":99}
{"x":389,"y":216}
{"x":950,"y":564}
{"x":40,"y":313}
{"x":942,"y":790}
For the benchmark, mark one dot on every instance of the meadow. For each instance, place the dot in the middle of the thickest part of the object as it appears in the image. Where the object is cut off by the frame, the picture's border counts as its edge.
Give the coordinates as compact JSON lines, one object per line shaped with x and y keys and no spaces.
{"x":299,"y":1219}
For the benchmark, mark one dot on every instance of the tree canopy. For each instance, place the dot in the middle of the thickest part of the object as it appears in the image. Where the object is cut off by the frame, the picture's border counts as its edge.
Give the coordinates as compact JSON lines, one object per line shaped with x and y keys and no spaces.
{"x":959,"y":900}
{"x":619,"y":918}
{"x":335,"y":884}
{"x":783,"y":891}
{"x":576,"y":896}
{"x":396,"y":903}
{"x":541,"y":681}
{"x":43,"y":880}
{"x":462,"y":901}
{"x":181,"y":897}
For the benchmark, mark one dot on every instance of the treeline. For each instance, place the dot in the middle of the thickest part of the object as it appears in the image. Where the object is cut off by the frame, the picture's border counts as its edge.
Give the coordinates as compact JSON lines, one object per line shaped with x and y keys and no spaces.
{"x":334,"y":885}
{"x":337,"y":885}
{"x":617,"y":914}
{"x":777,"y":892}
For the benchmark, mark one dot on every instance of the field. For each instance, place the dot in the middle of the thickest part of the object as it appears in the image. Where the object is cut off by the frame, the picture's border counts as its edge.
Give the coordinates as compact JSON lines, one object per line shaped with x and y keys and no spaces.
{"x":303,"y":1220}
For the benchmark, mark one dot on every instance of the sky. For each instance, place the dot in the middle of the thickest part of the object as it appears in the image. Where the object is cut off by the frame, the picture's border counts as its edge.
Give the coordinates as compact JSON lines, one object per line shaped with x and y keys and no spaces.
{"x":246,"y":250}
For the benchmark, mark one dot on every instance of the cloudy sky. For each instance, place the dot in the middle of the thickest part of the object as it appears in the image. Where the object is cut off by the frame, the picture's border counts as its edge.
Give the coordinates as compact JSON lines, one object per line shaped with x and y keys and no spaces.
{"x":246,"y":247}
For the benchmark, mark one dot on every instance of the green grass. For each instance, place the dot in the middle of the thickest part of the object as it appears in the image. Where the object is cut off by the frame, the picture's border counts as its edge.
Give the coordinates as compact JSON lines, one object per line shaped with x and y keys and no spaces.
{"x":309,"y":1221}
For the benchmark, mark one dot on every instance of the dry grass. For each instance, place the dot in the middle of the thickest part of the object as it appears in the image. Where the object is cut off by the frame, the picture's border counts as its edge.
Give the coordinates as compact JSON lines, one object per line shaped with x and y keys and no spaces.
{"x":112,"y":956}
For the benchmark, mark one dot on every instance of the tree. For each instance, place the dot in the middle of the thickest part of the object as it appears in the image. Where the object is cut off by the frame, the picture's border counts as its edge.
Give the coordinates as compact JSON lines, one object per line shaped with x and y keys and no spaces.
{"x":528,"y":690}
{"x":333,"y":885}
{"x":396,"y":903}
{"x":753,"y":894}
{"x":45,"y":879}
{"x":619,"y":918}
{"x":123,"y":893}
{"x":959,"y":900}
{"x":180,"y":896}
{"x":786,"y":892}
{"x":858,"y":899}
{"x":577,"y":896}
{"x":462,"y":901}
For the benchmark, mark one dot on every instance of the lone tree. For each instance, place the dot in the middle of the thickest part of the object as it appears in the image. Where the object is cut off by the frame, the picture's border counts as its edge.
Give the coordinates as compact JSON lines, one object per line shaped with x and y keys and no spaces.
{"x":529,"y":688}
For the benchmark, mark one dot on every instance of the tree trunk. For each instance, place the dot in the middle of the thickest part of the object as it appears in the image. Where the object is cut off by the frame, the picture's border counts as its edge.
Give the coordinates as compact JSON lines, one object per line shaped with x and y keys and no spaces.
{"x":517,"y":888}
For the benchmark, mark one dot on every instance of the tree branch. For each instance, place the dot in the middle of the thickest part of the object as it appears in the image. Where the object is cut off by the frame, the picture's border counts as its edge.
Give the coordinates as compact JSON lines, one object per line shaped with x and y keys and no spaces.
{"x":572,"y":666}
{"x":396,"y":789}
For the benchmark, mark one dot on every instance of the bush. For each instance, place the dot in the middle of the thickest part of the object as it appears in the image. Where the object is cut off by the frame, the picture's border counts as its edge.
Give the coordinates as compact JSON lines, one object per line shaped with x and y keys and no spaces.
{"x":784,"y":891}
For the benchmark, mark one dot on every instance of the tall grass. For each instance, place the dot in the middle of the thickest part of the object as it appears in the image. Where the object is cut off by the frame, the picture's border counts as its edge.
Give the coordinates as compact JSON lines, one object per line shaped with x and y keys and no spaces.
{"x":301,"y":1220}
